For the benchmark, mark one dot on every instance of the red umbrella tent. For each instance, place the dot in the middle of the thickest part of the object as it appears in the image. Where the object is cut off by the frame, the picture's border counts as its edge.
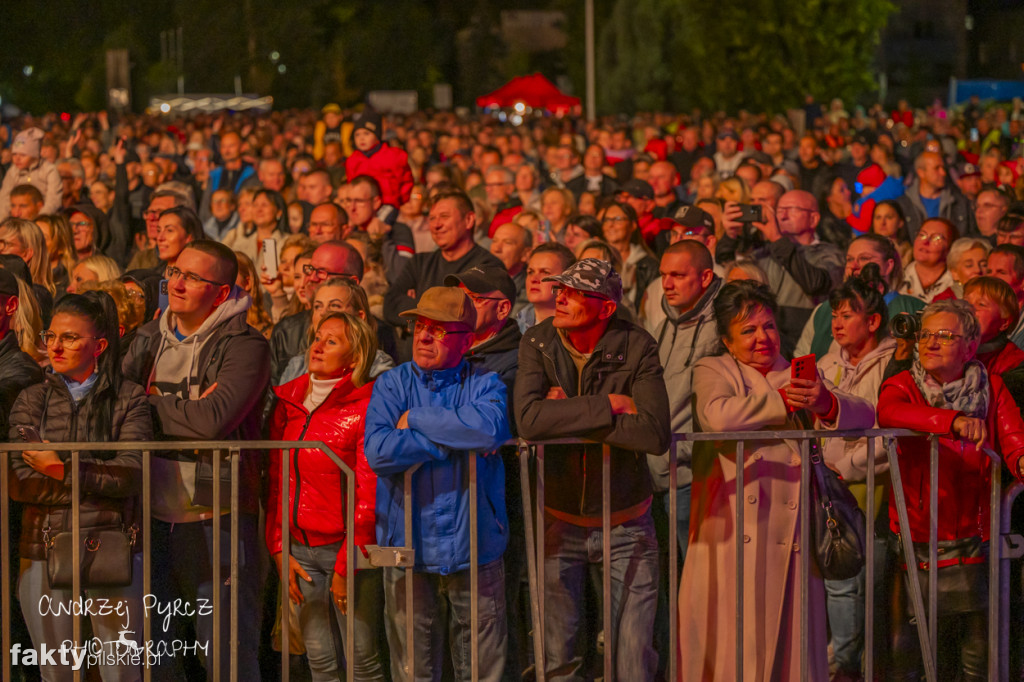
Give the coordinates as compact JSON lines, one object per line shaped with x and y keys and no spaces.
{"x":534,"y":91}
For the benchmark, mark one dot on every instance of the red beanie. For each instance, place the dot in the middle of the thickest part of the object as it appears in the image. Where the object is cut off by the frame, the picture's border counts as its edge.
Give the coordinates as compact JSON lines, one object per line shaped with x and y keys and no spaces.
{"x":872,"y":176}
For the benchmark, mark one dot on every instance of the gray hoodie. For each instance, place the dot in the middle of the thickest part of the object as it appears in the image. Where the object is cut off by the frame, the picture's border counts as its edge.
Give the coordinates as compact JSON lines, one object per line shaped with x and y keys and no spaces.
{"x":683,"y":339}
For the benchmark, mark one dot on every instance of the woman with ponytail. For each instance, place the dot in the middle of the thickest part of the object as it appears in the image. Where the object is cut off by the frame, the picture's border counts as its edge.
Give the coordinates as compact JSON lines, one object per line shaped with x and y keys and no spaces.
{"x":82,"y":398}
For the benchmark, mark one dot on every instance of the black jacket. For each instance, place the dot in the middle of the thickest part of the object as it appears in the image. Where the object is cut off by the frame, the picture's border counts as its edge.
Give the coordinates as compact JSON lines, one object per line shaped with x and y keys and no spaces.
{"x":500,"y":354}
{"x":624,"y":361}
{"x":110,"y":481}
{"x":18,"y":371}
{"x":237,"y":358}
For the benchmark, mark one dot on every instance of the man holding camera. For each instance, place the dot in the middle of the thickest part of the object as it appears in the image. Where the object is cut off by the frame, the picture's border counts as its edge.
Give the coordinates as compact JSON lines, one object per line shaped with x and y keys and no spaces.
{"x":801,"y":268}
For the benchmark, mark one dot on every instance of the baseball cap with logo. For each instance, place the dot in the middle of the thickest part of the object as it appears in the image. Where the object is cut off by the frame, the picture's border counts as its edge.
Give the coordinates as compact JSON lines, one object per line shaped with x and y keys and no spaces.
{"x":593,"y":275}
{"x":445,"y":304}
{"x":694,"y":216}
{"x":484,"y":280}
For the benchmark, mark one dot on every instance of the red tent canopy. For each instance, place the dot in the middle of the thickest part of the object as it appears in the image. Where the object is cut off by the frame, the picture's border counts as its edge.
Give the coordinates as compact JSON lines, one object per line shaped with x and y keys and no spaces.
{"x":534,"y":91}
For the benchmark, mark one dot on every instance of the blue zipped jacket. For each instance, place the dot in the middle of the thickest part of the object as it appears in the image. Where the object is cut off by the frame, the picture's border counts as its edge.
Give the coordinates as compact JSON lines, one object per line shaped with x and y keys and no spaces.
{"x":451,"y":413}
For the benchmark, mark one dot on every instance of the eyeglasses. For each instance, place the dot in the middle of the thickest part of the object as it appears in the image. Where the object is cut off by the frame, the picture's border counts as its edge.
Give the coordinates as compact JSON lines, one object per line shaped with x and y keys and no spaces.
{"x":943,"y":336}
{"x":323,"y":273}
{"x":933,"y":238}
{"x":615,"y":219}
{"x":477,"y":297}
{"x":435,"y":331}
{"x":782,"y":210}
{"x":575,"y":293}
{"x":191,"y":278}
{"x":69,"y":341}
{"x":80,"y":226}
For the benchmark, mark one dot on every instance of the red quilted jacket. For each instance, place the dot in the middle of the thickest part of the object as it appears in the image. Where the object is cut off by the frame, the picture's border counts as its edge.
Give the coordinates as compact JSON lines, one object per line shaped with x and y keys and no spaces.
{"x":964,"y":470}
{"x":317,"y":486}
{"x":389,"y":166}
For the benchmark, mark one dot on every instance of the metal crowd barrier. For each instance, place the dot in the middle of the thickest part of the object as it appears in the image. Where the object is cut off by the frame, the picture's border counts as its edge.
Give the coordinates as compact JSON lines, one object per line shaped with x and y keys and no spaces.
{"x":534,"y":529}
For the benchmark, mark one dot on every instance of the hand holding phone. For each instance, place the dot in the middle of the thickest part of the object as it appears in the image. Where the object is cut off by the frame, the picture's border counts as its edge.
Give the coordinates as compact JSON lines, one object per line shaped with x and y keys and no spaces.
{"x":805,"y":367}
{"x":270,"y":261}
{"x":29,"y":434}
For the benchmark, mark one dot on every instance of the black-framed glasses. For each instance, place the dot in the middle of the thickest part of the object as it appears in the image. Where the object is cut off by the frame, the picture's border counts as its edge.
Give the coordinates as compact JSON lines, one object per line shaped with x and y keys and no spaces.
{"x":570,"y":292}
{"x":477,"y":297}
{"x":67,"y":340}
{"x":323,"y":273}
{"x":435,"y":331}
{"x":944,"y":336}
{"x":191,"y":278}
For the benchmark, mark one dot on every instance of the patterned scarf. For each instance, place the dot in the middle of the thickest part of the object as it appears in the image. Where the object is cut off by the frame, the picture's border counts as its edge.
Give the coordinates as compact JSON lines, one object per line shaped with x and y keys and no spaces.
{"x":968,"y":394}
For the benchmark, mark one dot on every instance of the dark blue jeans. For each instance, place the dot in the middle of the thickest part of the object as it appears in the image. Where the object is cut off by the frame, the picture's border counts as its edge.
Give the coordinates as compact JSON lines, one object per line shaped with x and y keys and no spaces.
{"x":442,"y":604}
{"x":183,"y":570}
{"x":568,"y":550}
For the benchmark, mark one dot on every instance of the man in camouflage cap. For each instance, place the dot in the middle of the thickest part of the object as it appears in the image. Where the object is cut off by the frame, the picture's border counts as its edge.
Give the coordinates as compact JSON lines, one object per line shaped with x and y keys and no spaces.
{"x":585,"y":373}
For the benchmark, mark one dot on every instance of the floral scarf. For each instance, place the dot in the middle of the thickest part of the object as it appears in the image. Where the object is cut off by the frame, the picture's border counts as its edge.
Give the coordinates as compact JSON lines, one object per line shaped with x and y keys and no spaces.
{"x":969,"y":394}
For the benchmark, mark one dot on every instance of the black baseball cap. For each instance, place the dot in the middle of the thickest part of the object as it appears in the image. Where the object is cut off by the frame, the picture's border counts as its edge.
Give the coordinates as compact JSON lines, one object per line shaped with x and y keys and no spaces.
{"x":484,"y":280}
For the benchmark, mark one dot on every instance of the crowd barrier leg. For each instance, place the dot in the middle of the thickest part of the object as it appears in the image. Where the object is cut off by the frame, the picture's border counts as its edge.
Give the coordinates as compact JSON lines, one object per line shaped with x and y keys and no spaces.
{"x":5,"y":563}
{"x":147,"y":556}
{"x":738,"y":533}
{"x":673,"y":560}
{"x":933,"y":549}
{"x":350,"y":576}
{"x":217,"y":644}
{"x":869,"y":566}
{"x":474,"y":574}
{"x":542,"y":662}
{"x":410,"y":625}
{"x":286,"y":540}
{"x":927,"y":652}
{"x":1006,"y":507}
{"x":610,"y":641}
{"x":994,"y":549}
{"x":531,"y":559}
{"x":235,"y":456}
{"x":805,"y":553}
{"x":76,"y":551}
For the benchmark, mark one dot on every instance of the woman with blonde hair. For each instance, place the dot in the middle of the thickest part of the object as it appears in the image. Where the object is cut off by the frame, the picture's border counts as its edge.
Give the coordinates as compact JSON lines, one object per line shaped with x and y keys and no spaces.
{"x":93,"y":268}
{"x":733,"y":189}
{"x":257,"y":317}
{"x":28,"y":323}
{"x":23,"y":238}
{"x":56,"y":231}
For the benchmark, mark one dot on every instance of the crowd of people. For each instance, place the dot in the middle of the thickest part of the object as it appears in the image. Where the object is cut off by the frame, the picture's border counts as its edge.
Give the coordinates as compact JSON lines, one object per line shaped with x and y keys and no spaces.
{"x":412,"y":289}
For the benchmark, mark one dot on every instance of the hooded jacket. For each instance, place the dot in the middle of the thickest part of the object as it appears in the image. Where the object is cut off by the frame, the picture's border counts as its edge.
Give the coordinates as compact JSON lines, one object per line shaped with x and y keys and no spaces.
{"x":624,"y":361}
{"x":849,"y":456}
{"x":43,"y":175}
{"x":389,"y":166}
{"x":682,"y":341}
{"x":110,"y":481}
{"x":451,"y":412}
{"x":317,"y":485}
{"x":953,"y":206}
{"x":228,"y":352}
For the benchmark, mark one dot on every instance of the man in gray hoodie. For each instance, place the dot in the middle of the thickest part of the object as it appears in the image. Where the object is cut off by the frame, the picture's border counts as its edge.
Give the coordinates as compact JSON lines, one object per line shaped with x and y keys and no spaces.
{"x":685,"y":336}
{"x":206,"y":371}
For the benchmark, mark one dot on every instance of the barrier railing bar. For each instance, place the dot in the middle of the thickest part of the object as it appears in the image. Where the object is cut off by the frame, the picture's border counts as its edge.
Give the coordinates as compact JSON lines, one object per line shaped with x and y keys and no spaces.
{"x":531,"y":560}
{"x":5,"y":563}
{"x":738,"y":533}
{"x":147,"y":557}
{"x":286,"y":541}
{"x":933,"y":549}
{"x":350,"y":577}
{"x":673,"y":560}
{"x":913,"y":582}
{"x":474,"y":574}
{"x":610,"y":639}
{"x":215,"y":659}
{"x":869,"y":565}
{"x":235,"y":456}
{"x":76,"y":551}
{"x":805,"y":551}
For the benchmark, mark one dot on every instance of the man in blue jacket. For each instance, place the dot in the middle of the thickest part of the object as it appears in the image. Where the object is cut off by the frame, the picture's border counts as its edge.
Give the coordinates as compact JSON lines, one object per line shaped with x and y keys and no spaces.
{"x":434,"y":411}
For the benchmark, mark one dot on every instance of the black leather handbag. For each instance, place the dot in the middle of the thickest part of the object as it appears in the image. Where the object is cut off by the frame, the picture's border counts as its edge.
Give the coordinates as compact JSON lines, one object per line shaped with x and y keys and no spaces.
{"x":105,"y":557}
{"x":837,"y":523}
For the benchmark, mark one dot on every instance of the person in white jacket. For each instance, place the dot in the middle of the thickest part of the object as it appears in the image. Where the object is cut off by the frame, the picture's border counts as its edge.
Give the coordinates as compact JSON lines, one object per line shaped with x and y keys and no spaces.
{"x":28,"y":169}
{"x":856,"y":364}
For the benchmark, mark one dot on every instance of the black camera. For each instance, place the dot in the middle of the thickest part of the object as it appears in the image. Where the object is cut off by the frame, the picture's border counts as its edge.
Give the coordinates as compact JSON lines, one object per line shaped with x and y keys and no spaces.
{"x":904,"y":325}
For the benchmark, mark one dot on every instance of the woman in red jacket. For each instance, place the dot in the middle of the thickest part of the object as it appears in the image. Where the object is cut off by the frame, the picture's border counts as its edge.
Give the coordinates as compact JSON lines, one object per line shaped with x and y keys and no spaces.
{"x":948,"y":392}
{"x":328,"y":404}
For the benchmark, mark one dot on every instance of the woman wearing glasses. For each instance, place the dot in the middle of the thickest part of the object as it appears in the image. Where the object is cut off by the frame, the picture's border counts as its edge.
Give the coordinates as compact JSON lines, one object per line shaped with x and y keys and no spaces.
{"x":83,"y":398}
{"x":927,"y":277}
{"x":948,"y":392}
{"x":639,"y":267}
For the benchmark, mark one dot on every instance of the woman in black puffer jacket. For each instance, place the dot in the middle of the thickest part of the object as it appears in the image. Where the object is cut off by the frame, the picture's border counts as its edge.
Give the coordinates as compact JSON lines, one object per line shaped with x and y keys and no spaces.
{"x":83,"y":398}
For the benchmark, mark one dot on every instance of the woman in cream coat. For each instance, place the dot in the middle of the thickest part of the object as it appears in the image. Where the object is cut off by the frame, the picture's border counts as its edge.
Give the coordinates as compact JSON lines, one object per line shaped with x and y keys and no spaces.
{"x":749,"y":389}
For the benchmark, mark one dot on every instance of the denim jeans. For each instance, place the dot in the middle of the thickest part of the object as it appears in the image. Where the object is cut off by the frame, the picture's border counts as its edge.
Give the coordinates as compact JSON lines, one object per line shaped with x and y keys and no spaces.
{"x":660,"y":513}
{"x":441,"y":603}
{"x":53,"y":630}
{"x":568,"y":550}
{"x":317,"y":610}
{"x":183,"y":570}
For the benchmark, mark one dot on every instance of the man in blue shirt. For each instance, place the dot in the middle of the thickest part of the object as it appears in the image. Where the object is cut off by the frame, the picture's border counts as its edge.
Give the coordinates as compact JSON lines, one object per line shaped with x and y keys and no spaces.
{"x":435,"y":411}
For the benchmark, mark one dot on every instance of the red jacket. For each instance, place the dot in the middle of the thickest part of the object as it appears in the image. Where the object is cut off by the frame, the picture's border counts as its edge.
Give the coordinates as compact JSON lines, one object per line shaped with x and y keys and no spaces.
{"x":1006,"y":358}
{"x":964,"y":471}
{"x":317,"y":497}
{"x":389,"y":166}
{"x":506,"y":213}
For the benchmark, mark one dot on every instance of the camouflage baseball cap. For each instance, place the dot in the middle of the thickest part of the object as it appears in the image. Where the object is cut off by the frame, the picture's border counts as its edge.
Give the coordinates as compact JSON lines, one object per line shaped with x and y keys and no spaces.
{"x":594,"y":275}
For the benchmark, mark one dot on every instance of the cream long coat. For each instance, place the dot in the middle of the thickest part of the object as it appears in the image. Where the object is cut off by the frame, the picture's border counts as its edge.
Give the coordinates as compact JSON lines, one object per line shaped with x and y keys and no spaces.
{"x":734,"y":397}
